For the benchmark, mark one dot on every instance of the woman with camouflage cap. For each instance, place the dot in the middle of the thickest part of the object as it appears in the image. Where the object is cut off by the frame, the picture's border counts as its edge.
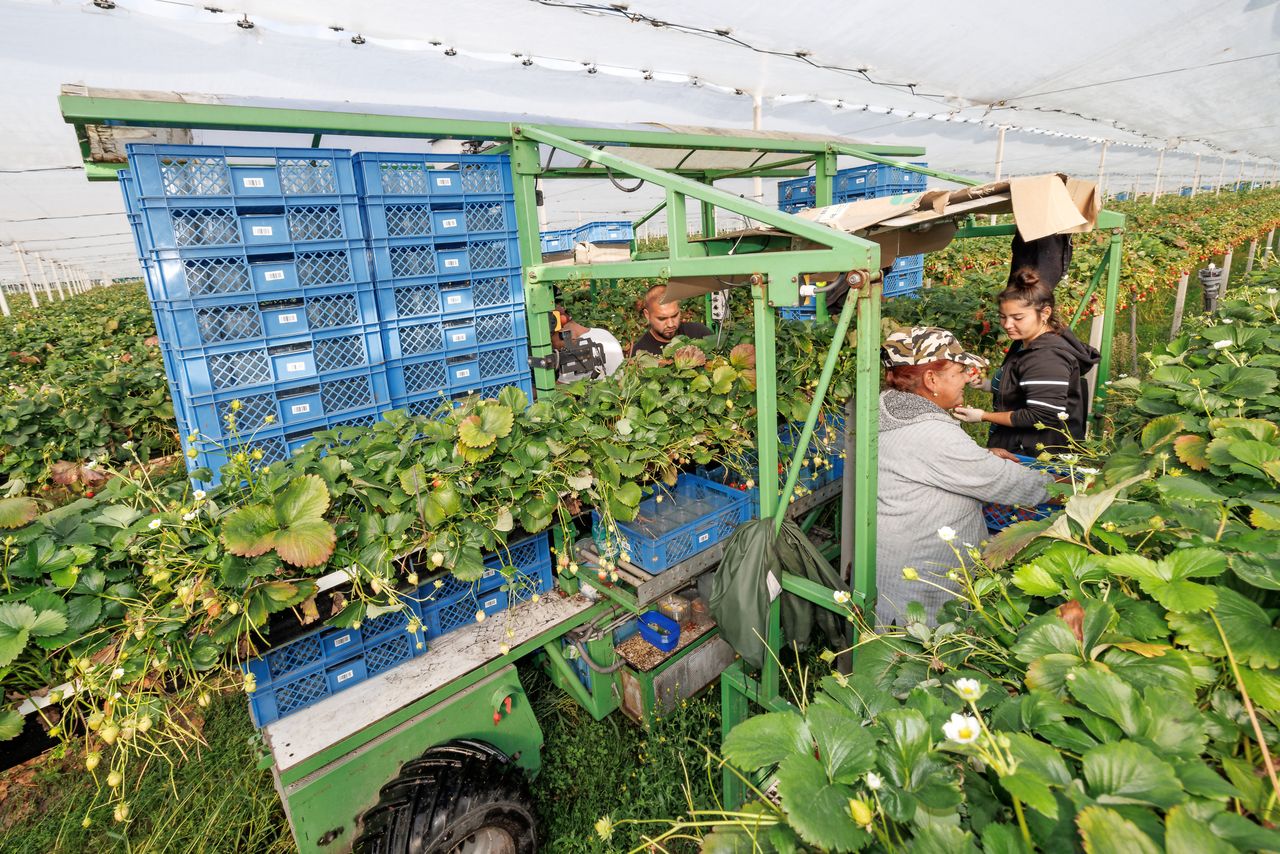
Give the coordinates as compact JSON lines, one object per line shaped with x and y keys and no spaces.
{"x":934,"y":478}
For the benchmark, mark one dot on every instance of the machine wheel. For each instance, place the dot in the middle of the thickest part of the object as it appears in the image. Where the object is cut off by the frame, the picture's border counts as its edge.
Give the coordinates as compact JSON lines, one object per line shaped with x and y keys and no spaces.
{"x":463,"y":797}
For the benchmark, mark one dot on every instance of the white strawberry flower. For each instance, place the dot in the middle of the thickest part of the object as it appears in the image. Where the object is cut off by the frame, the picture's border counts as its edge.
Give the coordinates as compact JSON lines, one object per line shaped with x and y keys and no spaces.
{"x":874,"y":781}
{"x":199,"y":495}
{"x":969,"y":689}
{"x":946,"y":534}
{"x":841,"y":597}
{"x":962,"y":729}
{"x":1223,"y":344}
{"x":153,"y":524}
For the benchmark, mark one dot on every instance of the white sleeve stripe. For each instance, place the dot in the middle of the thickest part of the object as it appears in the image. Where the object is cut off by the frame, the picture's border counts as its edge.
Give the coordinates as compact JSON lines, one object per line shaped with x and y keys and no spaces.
{"x":1049,"y":405}
{"x":1044,"y":382}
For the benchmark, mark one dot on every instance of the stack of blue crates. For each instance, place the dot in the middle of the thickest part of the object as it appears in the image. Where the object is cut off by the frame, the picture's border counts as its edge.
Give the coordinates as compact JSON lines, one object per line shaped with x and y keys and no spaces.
{"x":613,"y":231}
{"x":446,"y":273}
{"x":874,"y":181}
{"x":259,"y":282}
{"x":325,"y":661}
{"x":295,"y":290}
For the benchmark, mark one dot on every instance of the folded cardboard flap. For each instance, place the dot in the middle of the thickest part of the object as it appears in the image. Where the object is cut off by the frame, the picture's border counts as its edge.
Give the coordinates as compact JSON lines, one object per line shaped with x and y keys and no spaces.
{"x":1043,"y":206}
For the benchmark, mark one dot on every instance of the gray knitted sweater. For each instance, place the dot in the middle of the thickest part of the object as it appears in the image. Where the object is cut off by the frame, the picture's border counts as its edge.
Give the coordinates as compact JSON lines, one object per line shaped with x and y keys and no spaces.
{"x":932,"y":475}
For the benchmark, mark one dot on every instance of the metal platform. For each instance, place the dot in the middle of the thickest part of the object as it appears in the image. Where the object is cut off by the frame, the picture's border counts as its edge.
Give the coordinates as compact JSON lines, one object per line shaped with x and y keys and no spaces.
{"x":298,"y":737}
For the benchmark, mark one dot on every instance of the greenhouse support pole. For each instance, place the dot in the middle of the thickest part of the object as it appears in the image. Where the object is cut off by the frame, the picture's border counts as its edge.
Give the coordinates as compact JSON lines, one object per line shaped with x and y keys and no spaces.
{"x":1195,"y":182}
{"x":1102,"y":172}
{"x":1267,"y":250}
{"x":4,"y":303}
{"x":1221,"y":172}
{"x":1226,"y":272}
{"x":1239,"y":175}
{"x":1000,"y":159}
{"x":1248,"y":264}
{"x":1179,"y":303}
{"x":1155,"y":193}
{"x":26,"y":275}
{"x":44,"y":278}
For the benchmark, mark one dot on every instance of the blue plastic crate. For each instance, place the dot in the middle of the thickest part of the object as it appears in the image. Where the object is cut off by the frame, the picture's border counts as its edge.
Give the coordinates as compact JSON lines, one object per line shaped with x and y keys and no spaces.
{"x":445,"y":615}
{"x":796,"y":193}
{"x":616,"y":231}
{"x":493,"y":289}
{"x":175,"y":277}
{"x":459,"y":333}
{"x":904,"y":283}
{"x":182,"y":324}
{"x":309,"y":403}
{"x":444,"y":219}
{"x":200,"y":229}
{"x":245,"y":174}
{"x":413,"y":259}
{"x":330,"y":646}
{"x":531,"y":556}
{"x":306,"y":687}
{"x":694,"y":515}
{"x":558,"y":240}
{"x":208,"y":370}
{"x":456,"y":371}
{"x":1001,"y":516}
{"x":430,"y":402}
{"x":382,"y":176}
{"x":872,"y":181}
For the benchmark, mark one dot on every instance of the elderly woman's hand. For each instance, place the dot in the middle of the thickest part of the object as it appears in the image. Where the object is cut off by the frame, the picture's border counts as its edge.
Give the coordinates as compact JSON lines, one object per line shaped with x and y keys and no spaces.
{"x":968,"y":414}
{"x":1005,"y":455}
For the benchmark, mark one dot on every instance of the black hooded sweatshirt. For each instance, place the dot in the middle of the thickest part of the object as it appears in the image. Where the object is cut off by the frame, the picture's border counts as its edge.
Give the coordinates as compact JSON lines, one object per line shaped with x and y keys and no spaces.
{"x":1039,"y":382}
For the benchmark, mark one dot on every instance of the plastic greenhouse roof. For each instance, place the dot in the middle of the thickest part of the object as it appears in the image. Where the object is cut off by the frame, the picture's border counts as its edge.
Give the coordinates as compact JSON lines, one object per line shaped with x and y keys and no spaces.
{"x":1192,"y":76}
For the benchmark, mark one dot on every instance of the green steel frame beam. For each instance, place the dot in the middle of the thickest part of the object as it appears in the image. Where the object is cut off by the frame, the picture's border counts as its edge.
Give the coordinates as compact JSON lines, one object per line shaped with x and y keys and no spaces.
{"x":88,"y":109}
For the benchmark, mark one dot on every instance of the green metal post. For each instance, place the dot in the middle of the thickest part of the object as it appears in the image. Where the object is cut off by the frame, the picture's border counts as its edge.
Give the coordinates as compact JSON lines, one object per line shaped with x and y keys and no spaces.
{"x":1093,"y":286}
{"x":733,"y":710}
{"x":819,"y":394}
{"x":824,"y":173}
{"x":708,"y":230}
{"x":539,"y":299}
{"x":1114,"y":252}
{"x":866,"y":443}
{"x":766,"y":400}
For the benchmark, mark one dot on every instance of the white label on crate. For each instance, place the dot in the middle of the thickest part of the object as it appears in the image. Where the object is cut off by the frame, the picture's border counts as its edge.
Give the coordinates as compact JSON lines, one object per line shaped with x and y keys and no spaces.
{"x":458,"y":336}
{"x":254,"y":182}
{"x":444,"y":181}
{"x":294,"y":367}
{"x":448,"y":223}
{"x":451,"y":262}
{"x":490,"y":603}
{"x":274,"y":275}
{"x":343,"y":677}
{"x":287,"y":318}
{"x":463,"y":373}
{"x":301,"y":409}
{"x":490,"y":573}
{"x":453,"y":300}
{"x":342,"y":641}
{"x":704,"y":538}
{"x":262,"y":231}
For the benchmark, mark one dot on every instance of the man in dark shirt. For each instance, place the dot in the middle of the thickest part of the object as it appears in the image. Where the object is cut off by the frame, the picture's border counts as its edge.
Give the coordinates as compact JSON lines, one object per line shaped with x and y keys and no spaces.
{"x":664,"y":324}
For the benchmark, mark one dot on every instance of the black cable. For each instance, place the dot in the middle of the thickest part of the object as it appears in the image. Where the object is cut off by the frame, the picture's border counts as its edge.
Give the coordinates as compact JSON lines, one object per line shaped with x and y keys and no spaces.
{"x":614,"y":181}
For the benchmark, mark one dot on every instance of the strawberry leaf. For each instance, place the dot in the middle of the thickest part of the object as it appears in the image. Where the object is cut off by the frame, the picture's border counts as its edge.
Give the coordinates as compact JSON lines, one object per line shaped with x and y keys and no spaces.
{"x":250,"y":531}
{"x":309,"y":542}
{"x":16,"y":512}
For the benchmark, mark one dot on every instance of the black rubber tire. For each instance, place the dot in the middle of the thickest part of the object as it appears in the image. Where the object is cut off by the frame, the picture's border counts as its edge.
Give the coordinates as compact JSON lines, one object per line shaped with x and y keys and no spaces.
{"x":455,"y":794}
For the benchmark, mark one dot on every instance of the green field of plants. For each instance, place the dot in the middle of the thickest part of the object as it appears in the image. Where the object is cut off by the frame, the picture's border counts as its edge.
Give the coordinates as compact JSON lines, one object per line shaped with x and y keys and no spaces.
{"x":1111,"y":676}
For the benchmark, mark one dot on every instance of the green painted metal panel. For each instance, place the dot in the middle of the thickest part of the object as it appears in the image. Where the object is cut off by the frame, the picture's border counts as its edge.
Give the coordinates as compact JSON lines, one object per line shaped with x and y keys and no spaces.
{"x":326,"y":804}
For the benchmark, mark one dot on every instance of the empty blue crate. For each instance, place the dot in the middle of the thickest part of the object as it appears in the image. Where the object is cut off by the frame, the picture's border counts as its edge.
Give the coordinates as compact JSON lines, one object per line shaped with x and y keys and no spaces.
{"x":694,"y":515}
{"x":207,"y":370}
{"x":412,"y":376}
{"x":290,"y":406}
{"x":491,"y":289}
{"x":307,"y":686}
{"x":462,"y":332}
{"x":224,"y":273}
{"x":200,"y":229}
{"x":247,"y":174}
{"x":1000,"y":516}
{"x":796,"y":194}
{"x":381,"y":176}
{"x":604,"y":232}
{"x":415,"y":259}
{"x":444,"y":220}
{"x":559,"y":240}
{"x":904,"y":283}
{"x":241,"y":318}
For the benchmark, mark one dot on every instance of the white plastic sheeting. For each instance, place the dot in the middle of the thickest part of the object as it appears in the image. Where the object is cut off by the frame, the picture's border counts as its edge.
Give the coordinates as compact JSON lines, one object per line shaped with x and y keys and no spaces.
{"x":1187,"y":75}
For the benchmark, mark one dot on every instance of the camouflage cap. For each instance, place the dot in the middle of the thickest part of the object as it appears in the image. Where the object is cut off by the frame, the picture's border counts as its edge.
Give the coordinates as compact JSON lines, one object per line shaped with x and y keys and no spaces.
{"x":920,"y":345}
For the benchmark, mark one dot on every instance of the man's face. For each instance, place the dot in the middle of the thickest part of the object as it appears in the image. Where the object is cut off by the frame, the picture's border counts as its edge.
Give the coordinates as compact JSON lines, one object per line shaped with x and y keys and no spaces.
{"x":664,"y":319}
